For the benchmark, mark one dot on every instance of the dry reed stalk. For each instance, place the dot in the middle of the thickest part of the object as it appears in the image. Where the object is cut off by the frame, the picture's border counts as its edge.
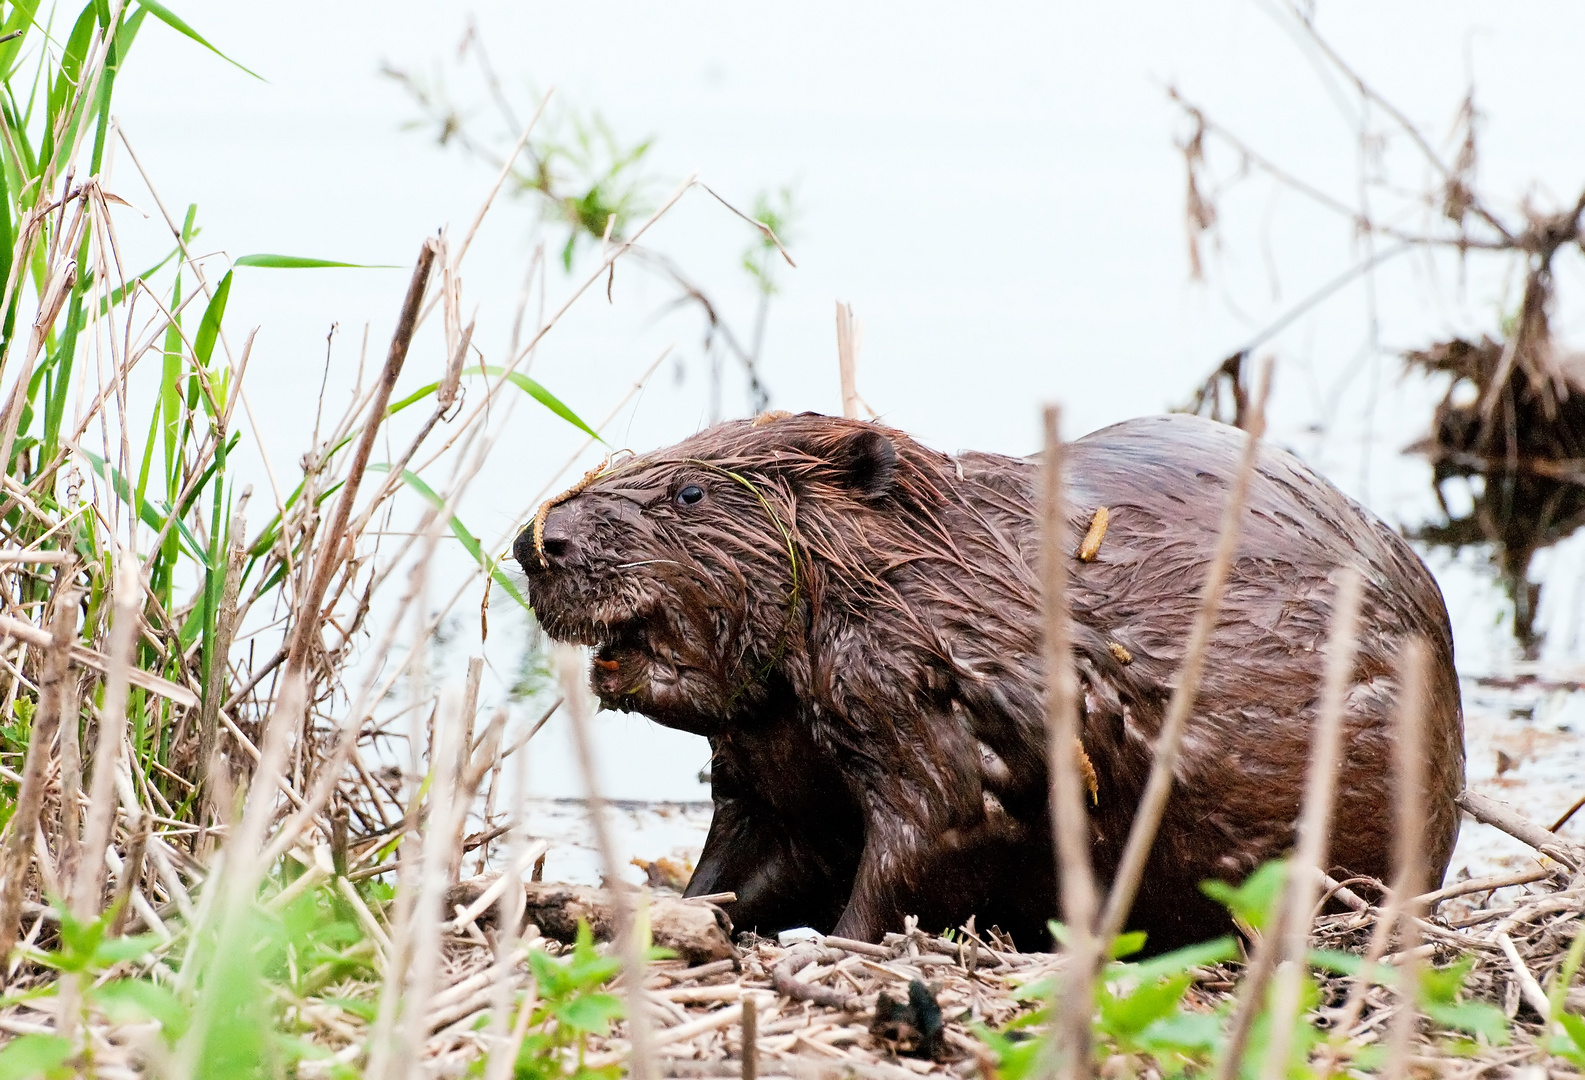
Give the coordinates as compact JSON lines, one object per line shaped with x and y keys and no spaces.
{"x":331,"y":553}
{"x":426,"y":916}
{"x":225,"y":630}
{"x":373,"y":689}
{"x":1069,"y":821}
{"x":79,"y":654}
{"x":224,"y":904}
{"x":465,"y":750}
{"x":1408,"y":852}
{"x":509,"y":918}
{"x":1315,"y":821}
{"x":69,"y":769}
{"x":24,"y":821}
{"x":849,"y":335}
{"x":383,"y":1046}
{"x":59,"y":287}
{"x":506,"y":171}
{"x":1158,"y":788}
{"x":112,"y":734}
{"x":569,"y":669}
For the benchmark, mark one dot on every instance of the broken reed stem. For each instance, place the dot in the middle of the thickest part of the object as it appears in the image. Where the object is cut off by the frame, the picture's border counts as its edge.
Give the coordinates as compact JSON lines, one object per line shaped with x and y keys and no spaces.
{"x":750,"y":1049}
{"x":1147,"y":819}
{"x":30,"y":798}
{"x":848,"y":359}
{"x":1315,"y":822}
{"x":1408,"y":849}
{"x":335,"y":536}
{"x":1069,"y":822}
{"x":569,"y":669}
{"x":112,"y":733}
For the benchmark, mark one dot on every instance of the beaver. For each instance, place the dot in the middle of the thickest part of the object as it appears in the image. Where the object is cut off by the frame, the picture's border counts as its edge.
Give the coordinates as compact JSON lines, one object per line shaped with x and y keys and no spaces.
{"x":853,"y":622}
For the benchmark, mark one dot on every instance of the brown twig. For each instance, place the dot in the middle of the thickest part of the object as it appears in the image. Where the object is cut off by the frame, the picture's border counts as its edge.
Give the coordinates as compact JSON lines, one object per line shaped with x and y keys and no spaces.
{"x":1500,"y":815}
{"x":332,"y":546}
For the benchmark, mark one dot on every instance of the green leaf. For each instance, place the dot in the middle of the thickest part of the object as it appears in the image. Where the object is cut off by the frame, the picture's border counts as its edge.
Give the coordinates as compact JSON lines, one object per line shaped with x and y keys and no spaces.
{"x":1565,"y":975}
{"x":297,"y":262}
{"x":34,"y":1055}
{"x":1215,"y":951}
{"x":1126,"y":945}
{"x":1475,"y":1017}
{"x":209,"y":328}
{"x":1575,"y":1027}
{"x":364,"y":1010}
{"x":1442,"y":985}
{"x":175,"y":22}
{"x":517,"y":379}
{"x":1256,"y":899}
{"x":460,"y":531}
{"x":1130,"y":1015}
{"x":1183,"y":1033}
{"x":116,"y":950}
{"x":130,"y":1000}
{"x":590,"y":1013}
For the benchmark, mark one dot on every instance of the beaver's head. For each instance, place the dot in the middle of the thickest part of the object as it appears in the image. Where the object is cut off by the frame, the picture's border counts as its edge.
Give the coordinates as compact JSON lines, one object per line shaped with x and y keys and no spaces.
{"x":694,"y":571}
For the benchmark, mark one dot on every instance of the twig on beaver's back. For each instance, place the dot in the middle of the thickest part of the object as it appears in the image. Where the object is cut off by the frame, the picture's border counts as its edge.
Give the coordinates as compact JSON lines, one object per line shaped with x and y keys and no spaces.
{"x":1131,"y":867}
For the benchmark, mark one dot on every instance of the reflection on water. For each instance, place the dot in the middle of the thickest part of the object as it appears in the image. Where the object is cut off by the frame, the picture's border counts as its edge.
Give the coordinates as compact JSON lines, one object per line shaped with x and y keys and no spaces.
{"x":1516,"y":443}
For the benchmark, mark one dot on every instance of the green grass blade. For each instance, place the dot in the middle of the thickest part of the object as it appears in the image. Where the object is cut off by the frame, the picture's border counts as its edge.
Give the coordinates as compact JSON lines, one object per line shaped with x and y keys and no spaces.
{"x":209,"y":328}
{"x":517,"y":379}
{"x":460,"y":531}
{"x":298,"y":262}
{"x":151,"y":513}
{"x":174,"y":21}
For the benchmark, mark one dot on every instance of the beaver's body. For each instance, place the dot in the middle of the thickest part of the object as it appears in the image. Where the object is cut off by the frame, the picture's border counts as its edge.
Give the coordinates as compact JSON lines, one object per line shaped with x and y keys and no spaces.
{"x":853,"y":621}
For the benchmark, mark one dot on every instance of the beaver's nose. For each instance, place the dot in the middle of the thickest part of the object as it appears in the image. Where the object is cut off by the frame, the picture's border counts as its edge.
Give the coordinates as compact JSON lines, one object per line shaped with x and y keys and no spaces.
{"x":558,"y":541}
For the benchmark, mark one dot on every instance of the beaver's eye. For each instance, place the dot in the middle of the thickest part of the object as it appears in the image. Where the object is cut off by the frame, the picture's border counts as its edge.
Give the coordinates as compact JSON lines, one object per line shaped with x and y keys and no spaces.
{"x":690,"y":495}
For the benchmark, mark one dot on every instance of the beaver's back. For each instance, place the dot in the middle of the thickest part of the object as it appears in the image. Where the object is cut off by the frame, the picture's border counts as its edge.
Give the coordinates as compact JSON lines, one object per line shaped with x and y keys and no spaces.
{"x":1165,"y":481}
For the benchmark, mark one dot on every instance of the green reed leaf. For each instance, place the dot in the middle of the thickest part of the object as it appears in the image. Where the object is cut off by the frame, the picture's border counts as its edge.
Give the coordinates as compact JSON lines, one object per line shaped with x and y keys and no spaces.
{"x":175,"y":22}
{"x":297,"y":262}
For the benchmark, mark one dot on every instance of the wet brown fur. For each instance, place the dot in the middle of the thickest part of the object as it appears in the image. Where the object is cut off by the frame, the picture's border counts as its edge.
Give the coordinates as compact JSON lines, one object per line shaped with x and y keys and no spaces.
{"x":852,"y":620}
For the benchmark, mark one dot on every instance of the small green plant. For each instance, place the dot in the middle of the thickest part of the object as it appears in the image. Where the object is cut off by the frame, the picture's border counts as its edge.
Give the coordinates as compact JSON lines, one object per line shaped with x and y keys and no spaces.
{"x":572,"y":1006}
{"x":1140,"y":1016}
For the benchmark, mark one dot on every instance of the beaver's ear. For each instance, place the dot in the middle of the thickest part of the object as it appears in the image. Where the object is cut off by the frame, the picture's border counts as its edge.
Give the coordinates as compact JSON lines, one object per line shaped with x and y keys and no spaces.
{"x":861,"y":459}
